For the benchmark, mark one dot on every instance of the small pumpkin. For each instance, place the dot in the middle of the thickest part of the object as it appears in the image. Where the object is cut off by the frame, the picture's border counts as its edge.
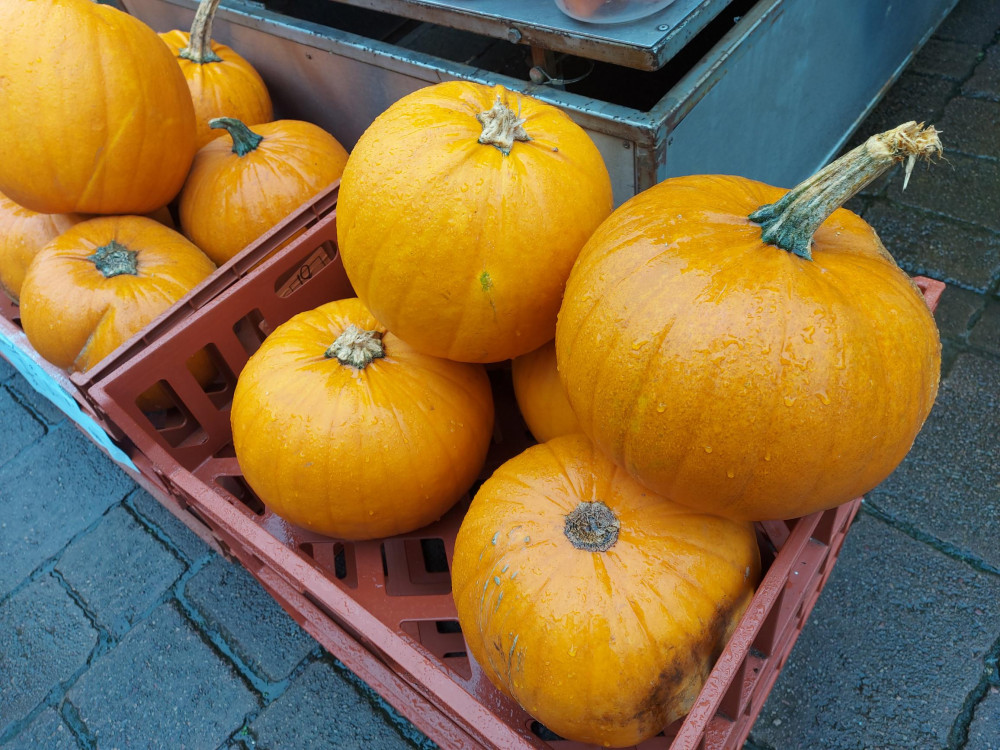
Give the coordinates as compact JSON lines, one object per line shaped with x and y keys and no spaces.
{"x":23,"y":233}
{"x":460,"y":213}
{"x":751,"y":351}
{"x":595,"y":604}
{"x":540,"y":394}
{"x":97,"y":117}
{"x":102,"y":281}
{"x":240,"y":187}
{"x":222,"y":82}
{"x":342,"y":428}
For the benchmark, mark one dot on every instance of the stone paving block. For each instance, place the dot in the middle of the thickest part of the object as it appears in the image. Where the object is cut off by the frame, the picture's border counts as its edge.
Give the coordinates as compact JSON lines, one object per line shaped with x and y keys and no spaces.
{"x":955,"y":312}
{"x":986,"y":332}
{"x":984,"y":732}
{"x":49,"y":493}
{"x":20,"y":428}
{"x":971,"y":126}
{"x":948,"y":485}
{"x":258,"y":630}
{"x":46,"y":732}
{"x":44,"y":409}
{"x":322,"y":709}
{"x":45,"y":638}
{"x":928,"y":244}
{"x":985,"y":80}
{"x":912,"y":97}
{"x":185,"y":540}
{"x":963,"y":187}
{"x":117,"y":588}
{"x":162,"y":687}
{"x":946,"y":58}
{"x":972,"y":21}
{"x":878,"y":664}
{"x":7,"y":370}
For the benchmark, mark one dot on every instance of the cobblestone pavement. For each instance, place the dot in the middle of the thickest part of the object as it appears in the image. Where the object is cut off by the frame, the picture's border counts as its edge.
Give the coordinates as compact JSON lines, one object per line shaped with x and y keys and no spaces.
{"x":119,"y":628}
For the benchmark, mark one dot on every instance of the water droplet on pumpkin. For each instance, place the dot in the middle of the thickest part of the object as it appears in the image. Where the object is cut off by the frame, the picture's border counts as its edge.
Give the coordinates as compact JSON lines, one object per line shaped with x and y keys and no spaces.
{"x":661,"y":407}
{"x":823,"y":397}
{"x":708,"y":449}
{"x":637,"y":345}
{"x":730,"y":474}
{"x":767,"y":456}
{"x":789,"y":400}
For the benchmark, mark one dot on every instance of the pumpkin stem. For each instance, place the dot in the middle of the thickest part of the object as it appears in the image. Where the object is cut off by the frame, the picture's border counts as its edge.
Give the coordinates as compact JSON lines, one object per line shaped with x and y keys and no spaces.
{"x":244,"y":139}
{"x":502,"y":126}
{"x":791,"y":222}
{"x":199,"y":49}
{"x":356,"y":348}
{"x":114,"y":259}
{"x":592,"y":526}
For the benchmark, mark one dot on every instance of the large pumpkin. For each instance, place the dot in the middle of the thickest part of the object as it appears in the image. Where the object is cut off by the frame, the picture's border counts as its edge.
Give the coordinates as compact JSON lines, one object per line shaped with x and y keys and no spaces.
{"x":96,"y":115}
{"x":342,"y":428}
{"x":540,"y":394}
{"x":222,"y":83}
{"x":460,"y":213}
{"x":241,"y":186}
{"x":597,"y":605}
{"x":750,"y":351}
{"x":102,"y":281}
{"x":23,"y":233}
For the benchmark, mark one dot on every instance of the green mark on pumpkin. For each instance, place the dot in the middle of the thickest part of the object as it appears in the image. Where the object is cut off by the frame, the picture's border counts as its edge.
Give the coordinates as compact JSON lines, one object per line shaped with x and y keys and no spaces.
{"x":504,"y":568}
{"x":495,"y":537}
{"x":513,"y":575}
{"x":496,"y":580}
{"x":485,"y":281}
{"x":527,"y":539}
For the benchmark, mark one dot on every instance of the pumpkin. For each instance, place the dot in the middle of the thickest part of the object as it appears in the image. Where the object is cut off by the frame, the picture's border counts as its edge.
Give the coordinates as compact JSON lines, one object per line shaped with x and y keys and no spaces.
{"x":102,"y":281}
{"x":751,"y":351}
{"x":240,"y":187}
{"x":460,"y":213}
{"x":540,"y":394}
{"x":342,"y":428}
{"x":222,"y":83}
{"x":23,"y":233}
{"x":597,"y":605}
{"x":97,"y":117}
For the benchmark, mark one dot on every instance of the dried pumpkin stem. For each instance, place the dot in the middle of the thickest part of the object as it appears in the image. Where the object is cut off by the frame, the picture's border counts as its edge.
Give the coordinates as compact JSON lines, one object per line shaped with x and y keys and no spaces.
{"x":356,"y":348}
{"x":114,"y":259}
{"x":244,"y":139}
{"x":592,"y":526}
{"x":199,"y":49}
{"x":791,"y":222}
{"x":502,"y":126}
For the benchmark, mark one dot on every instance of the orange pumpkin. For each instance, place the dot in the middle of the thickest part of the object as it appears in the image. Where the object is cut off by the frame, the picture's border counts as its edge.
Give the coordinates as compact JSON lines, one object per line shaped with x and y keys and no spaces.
{"x":240,"y":188}
{"x":222,"y":83}
{"x":342,"y":428}
{"x":96,"y":115}
{"x":100,"y":282}
{"x":595,"y":604}
{"x":751,"y":351}
{"x":460,"y":214}
{"x":541,"y":396}
{"x":23,"y":233}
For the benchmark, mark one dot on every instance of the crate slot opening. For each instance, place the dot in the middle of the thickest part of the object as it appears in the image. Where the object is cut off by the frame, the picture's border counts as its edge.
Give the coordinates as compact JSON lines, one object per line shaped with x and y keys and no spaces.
{"x":237,"y":487}
{"x":334,"y":557}
{"x":174,"y":422}
{"x":251,"y":330}
{"x":415,"y":567}
{"x":440,"y":638}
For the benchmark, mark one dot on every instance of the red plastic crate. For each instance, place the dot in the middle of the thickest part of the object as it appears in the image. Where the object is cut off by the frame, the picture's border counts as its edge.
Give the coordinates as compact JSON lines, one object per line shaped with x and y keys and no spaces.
{"x":384,"y":607}
{"x":78,"y":385}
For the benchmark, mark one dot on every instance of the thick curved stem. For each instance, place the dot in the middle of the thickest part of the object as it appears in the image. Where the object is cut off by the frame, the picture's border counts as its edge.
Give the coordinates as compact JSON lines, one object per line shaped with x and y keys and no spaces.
{"x":356,"y":348}
{"x":199,"y":49}
{"x":114,"y":259}
{"x":502,"y":126}
{"x":244,"y":139}
{"x":791,"y":222}
{"x":592,"y":526}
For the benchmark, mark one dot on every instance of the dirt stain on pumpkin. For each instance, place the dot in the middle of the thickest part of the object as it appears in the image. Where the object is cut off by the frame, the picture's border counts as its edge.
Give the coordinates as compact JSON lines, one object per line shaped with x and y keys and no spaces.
{"x":679,"y":683}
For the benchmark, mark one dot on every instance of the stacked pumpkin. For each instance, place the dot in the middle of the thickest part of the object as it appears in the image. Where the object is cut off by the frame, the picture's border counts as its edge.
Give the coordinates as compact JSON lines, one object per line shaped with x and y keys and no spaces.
{"x":80,"y":163}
